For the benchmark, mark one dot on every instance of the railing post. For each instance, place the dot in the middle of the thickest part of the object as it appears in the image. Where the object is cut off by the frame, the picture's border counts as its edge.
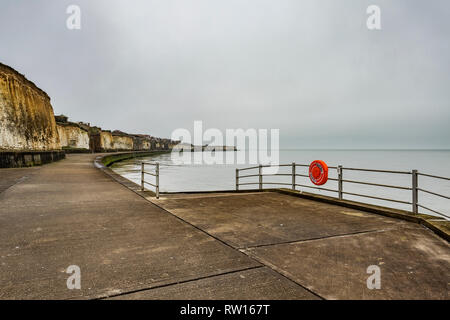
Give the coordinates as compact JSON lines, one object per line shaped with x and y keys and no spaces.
{"x":260,"y":177}
{"x":237,"y":179}
{"x":157,"y":180}
{"x":340,"y":189}
{"x":142,"y":176}
{"x":293,"y":175}
{"x":415,"y":192}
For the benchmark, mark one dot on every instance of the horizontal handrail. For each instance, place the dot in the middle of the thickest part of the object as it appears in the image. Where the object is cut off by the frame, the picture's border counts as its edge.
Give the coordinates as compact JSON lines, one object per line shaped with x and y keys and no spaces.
{"x":280,"y":174}
{"x":278,"y":183}
{"x":248,"y":183}
{"x":307,"y":166}
{"x":433,"y":193}
{"x":377,"y":198}
{"x":279,"y":165}
{"x":377,"y":184}
{"x":377,"y":170}
{"x":340,"y":182}
{"x":153,"y":185}
{"x":433,"y":176}
{"x":250,"y":175}
{"x":318,"y":188}
{"x":249,"y":168}
{"x":440,"y":213}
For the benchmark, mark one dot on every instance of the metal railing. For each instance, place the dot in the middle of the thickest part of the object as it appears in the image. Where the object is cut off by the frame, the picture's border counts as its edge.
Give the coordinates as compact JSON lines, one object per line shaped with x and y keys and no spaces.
{"x":414,"y":188}
{"x":154,"y":174}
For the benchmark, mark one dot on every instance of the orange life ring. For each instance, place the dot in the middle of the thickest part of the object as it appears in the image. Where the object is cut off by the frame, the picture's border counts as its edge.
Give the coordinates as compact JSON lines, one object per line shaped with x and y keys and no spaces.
{"x":318,"y":172}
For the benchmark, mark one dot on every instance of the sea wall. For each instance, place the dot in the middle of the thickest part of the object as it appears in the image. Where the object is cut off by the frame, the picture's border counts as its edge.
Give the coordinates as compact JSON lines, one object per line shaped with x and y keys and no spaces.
{"x":117,"y":157}
{"x":11,"y":159}
{"x":27,"y":121}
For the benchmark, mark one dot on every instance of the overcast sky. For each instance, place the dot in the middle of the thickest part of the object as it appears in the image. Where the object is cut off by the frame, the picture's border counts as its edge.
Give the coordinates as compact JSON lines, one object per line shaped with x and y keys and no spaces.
{"x":310,"y":68}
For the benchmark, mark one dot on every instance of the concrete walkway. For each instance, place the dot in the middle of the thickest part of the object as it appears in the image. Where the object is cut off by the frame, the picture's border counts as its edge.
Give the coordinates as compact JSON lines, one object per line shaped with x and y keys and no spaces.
{"x":222,"y":246}
{"x":324,"y":248}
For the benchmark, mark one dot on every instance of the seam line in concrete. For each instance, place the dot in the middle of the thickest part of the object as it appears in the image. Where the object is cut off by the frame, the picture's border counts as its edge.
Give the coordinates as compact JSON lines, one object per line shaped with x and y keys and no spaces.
{"x":285,"y":275}
{"x":20,"y":180}
{"x":244,"y":253}
{"x":316,"y":239}
{"x":205,"y":232}
{"x":177,"y":282}
{"x":139,"y":193}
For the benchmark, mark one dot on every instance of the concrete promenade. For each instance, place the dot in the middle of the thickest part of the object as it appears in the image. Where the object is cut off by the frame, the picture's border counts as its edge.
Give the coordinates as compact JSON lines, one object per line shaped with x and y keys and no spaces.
{"x":200,"y":246}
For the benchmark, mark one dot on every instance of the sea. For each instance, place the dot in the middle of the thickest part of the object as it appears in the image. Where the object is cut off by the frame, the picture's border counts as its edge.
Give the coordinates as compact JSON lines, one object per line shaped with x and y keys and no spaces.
{"x":182,"y":176}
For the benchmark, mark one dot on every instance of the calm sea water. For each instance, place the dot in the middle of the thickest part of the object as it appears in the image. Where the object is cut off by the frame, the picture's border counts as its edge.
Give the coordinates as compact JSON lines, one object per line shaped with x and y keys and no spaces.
{"x":180,"y":177}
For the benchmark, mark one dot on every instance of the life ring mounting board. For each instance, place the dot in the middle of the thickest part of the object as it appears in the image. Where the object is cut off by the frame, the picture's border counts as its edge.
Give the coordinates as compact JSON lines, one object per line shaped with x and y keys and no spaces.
{"x":318,"y":172}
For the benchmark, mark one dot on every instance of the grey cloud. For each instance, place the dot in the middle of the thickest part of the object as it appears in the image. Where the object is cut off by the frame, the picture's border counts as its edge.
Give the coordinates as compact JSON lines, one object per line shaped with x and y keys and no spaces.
{"x":154,"y":66}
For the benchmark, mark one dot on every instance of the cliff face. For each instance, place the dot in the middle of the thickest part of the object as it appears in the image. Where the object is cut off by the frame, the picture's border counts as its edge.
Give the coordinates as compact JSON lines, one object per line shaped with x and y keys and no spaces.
{"x":26,"y":116}
{"x":71,"y":136}
{"x":141,"y":142}
{"x":30,"y":133}
{"x":106,"y":140}
{"x":123,"y":142}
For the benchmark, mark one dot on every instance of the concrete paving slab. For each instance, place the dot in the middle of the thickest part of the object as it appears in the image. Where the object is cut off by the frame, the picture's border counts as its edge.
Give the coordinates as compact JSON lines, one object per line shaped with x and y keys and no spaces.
{"x":414,"y":264}
{"x":9,"y":177}
{"x":255,"y":284}
{"x":246,"y":220}
{"x":120,"y":241}
{"x":71,"y":213}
